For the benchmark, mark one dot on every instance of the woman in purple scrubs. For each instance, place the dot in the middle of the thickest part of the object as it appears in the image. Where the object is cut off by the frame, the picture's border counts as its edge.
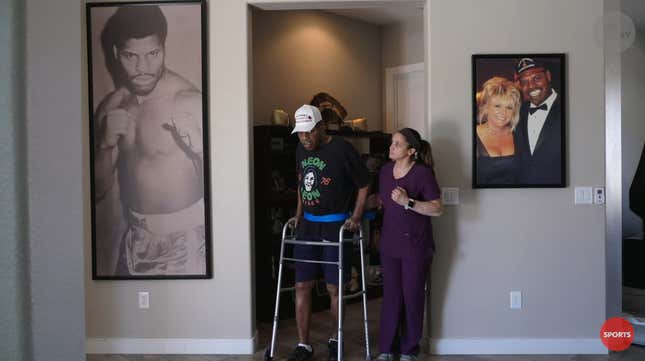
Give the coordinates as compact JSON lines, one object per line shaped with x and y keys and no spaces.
{"x":410,"y":195}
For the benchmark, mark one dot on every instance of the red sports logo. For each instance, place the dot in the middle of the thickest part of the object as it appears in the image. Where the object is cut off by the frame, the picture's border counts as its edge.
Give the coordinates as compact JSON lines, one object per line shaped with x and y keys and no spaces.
{"x":617,"y":334}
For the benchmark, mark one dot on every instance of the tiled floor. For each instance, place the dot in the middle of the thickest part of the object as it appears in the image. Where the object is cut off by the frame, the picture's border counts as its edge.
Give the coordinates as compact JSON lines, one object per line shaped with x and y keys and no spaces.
{"x":354,"y":341}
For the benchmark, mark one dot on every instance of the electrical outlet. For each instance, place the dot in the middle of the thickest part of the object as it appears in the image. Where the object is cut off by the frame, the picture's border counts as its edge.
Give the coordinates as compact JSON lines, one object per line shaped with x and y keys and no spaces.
{"x":144,"y":300}
{"x":516,"y":300}
{"x":599,"y":195}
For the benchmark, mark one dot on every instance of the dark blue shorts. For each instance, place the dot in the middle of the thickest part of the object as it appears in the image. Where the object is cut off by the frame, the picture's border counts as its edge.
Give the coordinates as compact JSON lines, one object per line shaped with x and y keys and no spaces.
{"x":315,"y":231}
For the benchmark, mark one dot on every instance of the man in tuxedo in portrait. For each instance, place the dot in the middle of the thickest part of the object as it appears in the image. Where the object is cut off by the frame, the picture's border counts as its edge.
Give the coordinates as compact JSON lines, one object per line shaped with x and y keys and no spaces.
{"x":538,"y":136}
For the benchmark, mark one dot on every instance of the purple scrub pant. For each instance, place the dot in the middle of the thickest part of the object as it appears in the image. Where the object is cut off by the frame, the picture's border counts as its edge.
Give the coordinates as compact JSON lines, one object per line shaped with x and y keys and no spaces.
{"x":404,"y":283}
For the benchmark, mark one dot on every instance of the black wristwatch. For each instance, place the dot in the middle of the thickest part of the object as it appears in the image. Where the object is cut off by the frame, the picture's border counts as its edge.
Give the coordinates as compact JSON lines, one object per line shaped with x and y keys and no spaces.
{"x":410,"y":204}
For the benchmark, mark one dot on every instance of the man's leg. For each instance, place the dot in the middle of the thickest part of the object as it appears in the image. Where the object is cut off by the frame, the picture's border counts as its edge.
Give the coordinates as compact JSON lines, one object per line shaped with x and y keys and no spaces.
{"x":303,"y":309}
{"x":333,"y":308}
{"x":332,"y":344}
{"x":330,"y":254}
{"x":304,"y":284}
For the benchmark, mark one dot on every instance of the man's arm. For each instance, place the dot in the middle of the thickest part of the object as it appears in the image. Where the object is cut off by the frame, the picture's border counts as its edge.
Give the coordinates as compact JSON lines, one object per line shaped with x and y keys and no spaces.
{"x":354,"y":222}
{"x":185,"y":123}
{"x":104,"y":170}
{"x":299,"y":211}
{"x":111,"y":122}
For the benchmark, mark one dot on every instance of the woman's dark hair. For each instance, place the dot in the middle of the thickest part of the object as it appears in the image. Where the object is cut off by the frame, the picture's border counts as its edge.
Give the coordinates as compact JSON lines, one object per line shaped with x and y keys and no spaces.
{"x":423,"y":149}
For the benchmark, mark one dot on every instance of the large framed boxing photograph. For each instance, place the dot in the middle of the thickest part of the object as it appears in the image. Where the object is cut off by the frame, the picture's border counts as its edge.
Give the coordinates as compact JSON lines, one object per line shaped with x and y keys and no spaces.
{"x":148,"y":122}
{"x":518,"y":126}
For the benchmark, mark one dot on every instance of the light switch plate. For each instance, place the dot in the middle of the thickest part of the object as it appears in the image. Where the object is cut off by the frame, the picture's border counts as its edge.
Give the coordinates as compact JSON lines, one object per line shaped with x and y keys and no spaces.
{"x":450,"y":196}
{"x":583,"y":195}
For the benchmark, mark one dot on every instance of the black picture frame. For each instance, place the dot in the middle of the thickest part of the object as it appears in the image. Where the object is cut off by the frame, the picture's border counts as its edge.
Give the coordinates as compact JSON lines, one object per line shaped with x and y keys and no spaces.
{"x":537,"y":161}
{"x":149,"y":222}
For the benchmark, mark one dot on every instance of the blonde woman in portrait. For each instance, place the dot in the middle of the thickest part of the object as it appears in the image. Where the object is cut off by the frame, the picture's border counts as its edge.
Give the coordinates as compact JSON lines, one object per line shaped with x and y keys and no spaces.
{"x":497,"y":116}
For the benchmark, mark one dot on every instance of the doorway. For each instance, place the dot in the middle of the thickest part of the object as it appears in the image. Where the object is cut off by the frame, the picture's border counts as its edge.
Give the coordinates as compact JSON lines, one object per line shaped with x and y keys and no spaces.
{"x":299,"y":50}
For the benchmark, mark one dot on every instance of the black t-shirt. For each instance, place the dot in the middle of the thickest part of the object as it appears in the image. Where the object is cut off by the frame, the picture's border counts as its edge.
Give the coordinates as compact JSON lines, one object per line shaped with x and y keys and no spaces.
{"x":328,"y":177}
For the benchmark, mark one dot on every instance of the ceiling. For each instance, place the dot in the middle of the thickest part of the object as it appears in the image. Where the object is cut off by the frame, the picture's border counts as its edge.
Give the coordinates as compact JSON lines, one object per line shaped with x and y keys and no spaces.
{"x":381,"y":15}
{"x":378,"y":13}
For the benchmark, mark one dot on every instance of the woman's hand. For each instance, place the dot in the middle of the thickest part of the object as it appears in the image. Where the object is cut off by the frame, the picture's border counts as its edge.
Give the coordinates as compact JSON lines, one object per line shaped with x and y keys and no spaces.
{"x":400,"y":196}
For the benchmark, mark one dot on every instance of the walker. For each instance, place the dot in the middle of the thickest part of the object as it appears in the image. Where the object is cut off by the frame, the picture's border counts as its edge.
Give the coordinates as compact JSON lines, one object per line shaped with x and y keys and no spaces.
{"x":288,"y":237}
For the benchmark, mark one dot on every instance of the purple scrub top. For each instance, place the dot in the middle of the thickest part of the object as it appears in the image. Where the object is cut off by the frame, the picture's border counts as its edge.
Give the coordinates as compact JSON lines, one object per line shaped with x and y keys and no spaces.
{"x":406,"y":233}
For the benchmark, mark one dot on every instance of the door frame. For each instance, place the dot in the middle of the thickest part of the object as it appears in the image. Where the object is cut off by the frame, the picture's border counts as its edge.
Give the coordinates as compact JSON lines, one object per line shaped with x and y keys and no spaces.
{"x":613,"y":169}
{"x":326,"y":5}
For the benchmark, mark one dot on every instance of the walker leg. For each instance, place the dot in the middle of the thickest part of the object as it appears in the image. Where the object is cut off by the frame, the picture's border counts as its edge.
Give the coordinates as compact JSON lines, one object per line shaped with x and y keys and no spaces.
{"x":267,"y":355}
{"x":364,"y":290}
{"x":270,"y":352}
{"x":340,"y":295}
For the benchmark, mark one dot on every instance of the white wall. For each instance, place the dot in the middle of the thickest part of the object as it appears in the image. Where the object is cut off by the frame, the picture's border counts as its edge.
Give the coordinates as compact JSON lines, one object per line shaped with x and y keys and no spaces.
{"x":298,"y":54}
{"x":532,"y":240}
{"x":202,"y":316}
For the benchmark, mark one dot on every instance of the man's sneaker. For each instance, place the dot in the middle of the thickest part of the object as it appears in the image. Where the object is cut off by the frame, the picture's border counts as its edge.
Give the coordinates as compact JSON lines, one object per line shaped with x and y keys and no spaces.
{"x":409,"y":358}
{"x":332,"y":345}
{"x":301,"y":354}
{"x":385,"y":357}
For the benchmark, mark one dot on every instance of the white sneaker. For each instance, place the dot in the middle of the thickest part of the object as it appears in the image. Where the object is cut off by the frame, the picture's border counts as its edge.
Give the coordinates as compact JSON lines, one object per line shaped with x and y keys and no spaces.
{"x":385,"y":357}
{"x":409,"y":358}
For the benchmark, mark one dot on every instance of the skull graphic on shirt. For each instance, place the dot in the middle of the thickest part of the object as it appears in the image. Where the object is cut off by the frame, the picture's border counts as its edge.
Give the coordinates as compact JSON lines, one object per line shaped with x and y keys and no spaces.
{"x":309,"y":181}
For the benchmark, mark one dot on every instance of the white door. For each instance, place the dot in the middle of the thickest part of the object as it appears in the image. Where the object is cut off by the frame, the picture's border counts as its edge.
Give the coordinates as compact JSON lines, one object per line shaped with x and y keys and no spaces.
{"x":405,"y":95}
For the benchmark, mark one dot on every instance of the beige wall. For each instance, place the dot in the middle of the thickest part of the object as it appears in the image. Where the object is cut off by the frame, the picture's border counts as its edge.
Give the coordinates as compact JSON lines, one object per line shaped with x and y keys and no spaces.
{"x":300,"y":53}
{"x":533,"y":240}
{"x":403,"y":42}
{"x":55,"y":178}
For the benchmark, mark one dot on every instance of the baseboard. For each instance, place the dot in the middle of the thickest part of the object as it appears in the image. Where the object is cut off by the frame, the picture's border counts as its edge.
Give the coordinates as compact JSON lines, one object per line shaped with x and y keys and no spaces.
{"x":475,"y":346}
{"x":517,"y":346}
{"x":162,"y":346}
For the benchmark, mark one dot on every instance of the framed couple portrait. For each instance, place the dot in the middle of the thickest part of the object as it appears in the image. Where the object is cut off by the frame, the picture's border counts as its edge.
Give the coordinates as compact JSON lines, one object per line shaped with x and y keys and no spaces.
{"x":148,"y":123}
{"x":519,"y":121}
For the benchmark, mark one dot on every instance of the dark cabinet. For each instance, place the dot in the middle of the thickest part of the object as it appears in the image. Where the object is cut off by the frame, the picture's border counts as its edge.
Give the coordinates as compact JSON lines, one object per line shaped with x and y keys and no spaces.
{"x":274,"y":172}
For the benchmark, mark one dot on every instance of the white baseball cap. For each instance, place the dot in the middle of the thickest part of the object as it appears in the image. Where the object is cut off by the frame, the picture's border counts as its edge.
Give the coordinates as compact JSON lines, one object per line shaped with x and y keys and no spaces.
{"x":307,"y":116}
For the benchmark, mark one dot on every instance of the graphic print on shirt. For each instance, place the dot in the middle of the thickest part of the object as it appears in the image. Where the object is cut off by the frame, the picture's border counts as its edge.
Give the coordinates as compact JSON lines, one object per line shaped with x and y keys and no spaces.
{"x":310,"y":179}
{"x":313,"y":167}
